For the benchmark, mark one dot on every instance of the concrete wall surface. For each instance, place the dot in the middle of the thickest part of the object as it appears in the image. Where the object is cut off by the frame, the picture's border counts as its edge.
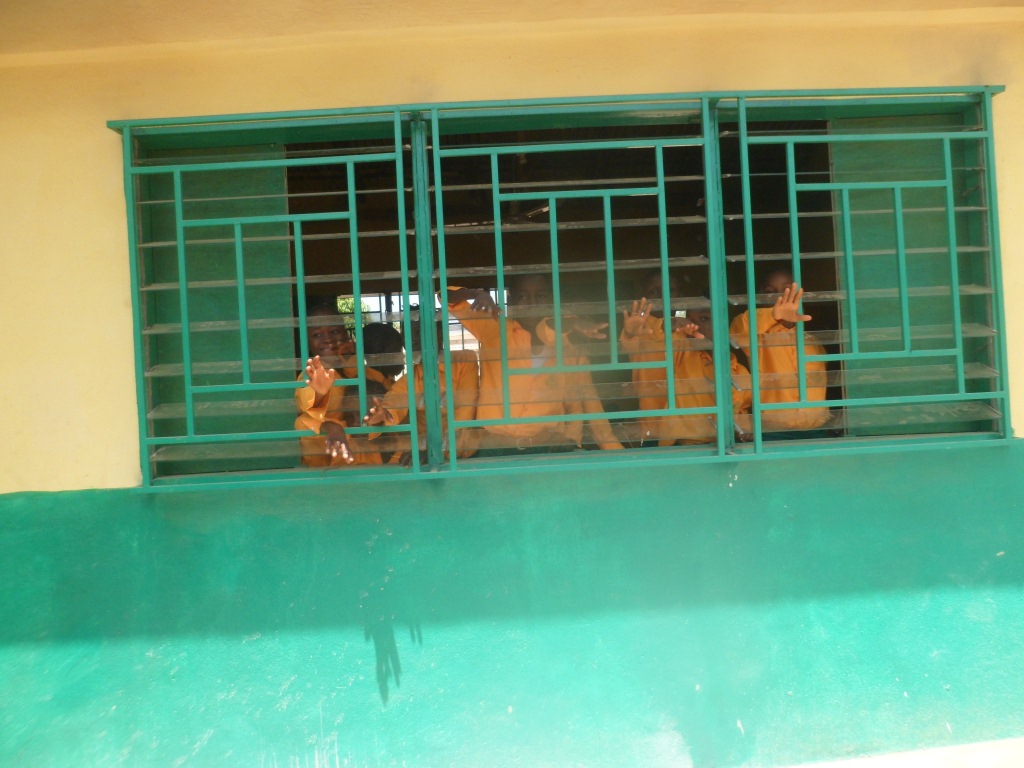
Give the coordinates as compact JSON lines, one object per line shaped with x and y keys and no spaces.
{"x":767,"y":613}
{"x":67,"y":390}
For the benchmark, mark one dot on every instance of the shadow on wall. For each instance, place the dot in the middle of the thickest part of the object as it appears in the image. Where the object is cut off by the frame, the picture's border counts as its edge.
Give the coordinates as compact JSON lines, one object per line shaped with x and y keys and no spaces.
{"x":111,"y":564}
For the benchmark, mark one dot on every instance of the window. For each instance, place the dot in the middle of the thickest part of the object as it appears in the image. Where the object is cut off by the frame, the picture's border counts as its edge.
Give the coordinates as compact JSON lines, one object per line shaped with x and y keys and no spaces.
{"x":879,"y":205}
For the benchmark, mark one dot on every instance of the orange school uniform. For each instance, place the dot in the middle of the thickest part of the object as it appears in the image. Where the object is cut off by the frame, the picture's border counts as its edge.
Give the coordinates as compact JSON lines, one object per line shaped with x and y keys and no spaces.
{"x":544,"y":393}
{"x":465,"y":393}
{"x":312,"y":417}
{"x":777,"y":364}
{"x":694,"y":372}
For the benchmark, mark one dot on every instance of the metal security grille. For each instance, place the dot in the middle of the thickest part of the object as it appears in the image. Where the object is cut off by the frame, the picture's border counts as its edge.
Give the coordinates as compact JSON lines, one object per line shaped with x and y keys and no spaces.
{"x":880,"y":205}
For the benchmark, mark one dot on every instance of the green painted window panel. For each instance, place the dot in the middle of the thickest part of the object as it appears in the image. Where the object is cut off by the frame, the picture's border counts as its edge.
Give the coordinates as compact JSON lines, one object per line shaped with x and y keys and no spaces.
{"x":855,"y":192}
{"x":209,"y":254}
{"x":920,"y":228}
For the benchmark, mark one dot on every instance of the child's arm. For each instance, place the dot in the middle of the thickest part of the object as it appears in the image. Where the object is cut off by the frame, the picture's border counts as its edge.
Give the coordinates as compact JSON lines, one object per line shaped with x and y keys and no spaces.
{"x":320,"y":380}
{"x":313,"y":400}
{"x":465,"y":394}
{"x":740,"y":385}
{"x":393,"y":407}
{"x":337,"y":442}
{"x":480,"y":300}
{"x":476,"y":310}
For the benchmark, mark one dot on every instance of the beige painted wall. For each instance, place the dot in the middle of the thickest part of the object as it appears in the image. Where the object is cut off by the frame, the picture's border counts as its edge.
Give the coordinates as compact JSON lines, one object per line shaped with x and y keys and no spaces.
{"x":67,"y":374}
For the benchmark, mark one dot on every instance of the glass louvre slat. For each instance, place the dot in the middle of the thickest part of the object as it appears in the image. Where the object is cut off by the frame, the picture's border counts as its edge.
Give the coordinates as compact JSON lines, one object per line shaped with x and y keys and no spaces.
{"x":877,"y":202}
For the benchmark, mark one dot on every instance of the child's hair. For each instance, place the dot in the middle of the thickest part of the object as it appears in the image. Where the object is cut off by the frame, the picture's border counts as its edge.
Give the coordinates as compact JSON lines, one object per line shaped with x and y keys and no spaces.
{"x":321,"y":305}
{"x":383,"y":339}
{"x":784,"y":272}
{"x":351,"y":401}
{"x":655,"y":274}
{"x":375,"y":388}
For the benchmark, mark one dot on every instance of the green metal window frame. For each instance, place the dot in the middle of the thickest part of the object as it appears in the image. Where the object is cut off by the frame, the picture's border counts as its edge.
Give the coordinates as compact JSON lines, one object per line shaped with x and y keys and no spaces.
{"x":421,"y":126}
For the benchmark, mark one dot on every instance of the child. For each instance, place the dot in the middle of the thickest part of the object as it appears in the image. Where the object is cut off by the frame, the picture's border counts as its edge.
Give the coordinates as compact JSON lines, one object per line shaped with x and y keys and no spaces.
{"x":321,"y":405}
{"x":531,"y":344}
{"x":393,"y":408}
{"x":777,"y":356}
{"x":384,"y":352}
{"x":643,"y":339}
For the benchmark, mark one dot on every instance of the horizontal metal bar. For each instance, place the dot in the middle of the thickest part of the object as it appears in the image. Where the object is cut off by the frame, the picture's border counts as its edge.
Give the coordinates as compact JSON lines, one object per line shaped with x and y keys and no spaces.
{"x":884,"y":401}
{"x":574,"y":194}
{"x":877,"y":186}
{"x":268,"y":385}
{"x":832,"y":96}
{"x":853,"y":357}
{"x":292,"y":434}
{"x":235,"y":165}
{"x":384,"y":118}
{"x":567,"y":146}
{"x":284,"y":218}
{"x":854,"y":138}
{"x":573,"y":417}
{"x":870,"y":294}
{"x":624,"y":461}
{"x":943,"y":250}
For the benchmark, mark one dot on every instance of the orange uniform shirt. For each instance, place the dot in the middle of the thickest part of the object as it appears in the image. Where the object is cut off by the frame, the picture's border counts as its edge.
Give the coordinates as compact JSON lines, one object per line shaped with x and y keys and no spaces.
{"x":312,"y":417}
{"x":694,"y":371}
{"x":544,"y":393}
{"x":465,"y":393}
{"x":777,"y":364}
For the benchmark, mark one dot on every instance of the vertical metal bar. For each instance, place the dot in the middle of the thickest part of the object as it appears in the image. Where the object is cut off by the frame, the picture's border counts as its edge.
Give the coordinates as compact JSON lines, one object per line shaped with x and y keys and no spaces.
{"x":556,"y":282}
{"x":667,"y":313}
{"x":954,"y":266}
{"x":186,"y":346}
{"x":428,"y":354}
{"x":425,"y":281}
{"x":609,"y":275}
{"x":851,"y":286}
{"x":901,"y":267}
{"x":995,"y":269}
{"x":748,"y":254}
{"x":718,"y":286}
{"x":300,"y":293}
{"x":442,"y":267}
{"x":243,"y":316}
{"x":794,"y":237}
{"x":357,"y":289}
{"x":499,"y":264}
{"x":135,"y":269}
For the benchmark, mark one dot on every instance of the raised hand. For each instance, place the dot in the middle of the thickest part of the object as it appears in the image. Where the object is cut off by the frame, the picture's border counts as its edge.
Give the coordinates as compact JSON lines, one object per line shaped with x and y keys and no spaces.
{"x":787,"y":306}
{"x":379,"y":415}
{"x":337,"y":442}
{"x":634,"y":319}
{"x":690,"y":329}
{"x":479,"y":299}
{"x":586,"y":328}
{"x":321,"y":379}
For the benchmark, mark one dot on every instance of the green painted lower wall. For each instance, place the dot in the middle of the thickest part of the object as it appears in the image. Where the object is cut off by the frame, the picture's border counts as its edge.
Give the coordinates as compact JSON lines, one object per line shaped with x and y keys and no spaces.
{"x":763,"y":613}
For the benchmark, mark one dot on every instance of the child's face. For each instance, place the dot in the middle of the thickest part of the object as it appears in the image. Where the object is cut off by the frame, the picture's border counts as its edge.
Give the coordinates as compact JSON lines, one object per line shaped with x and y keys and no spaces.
{"x":653,"y":289}
{"x":528,"y":291}
{"x":328,"y":341}
{"x":777,"y":282}
{"x":702,"y":319}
